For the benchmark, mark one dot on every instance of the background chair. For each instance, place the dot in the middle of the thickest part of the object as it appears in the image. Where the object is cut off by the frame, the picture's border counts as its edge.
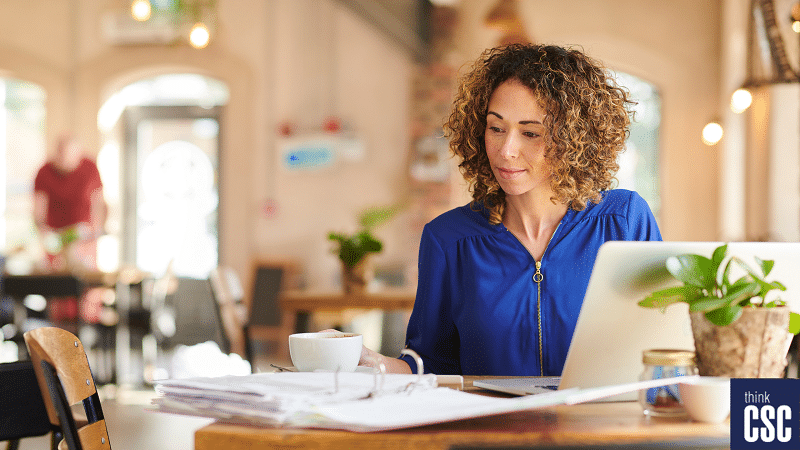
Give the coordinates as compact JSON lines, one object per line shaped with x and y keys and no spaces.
{"x":195,"y":313}
{"x":242,"y":322}
{"x":22,"y":410}
{"x":17,"y":287}
{"x":231,"y":310}
{"x":65,"y":379}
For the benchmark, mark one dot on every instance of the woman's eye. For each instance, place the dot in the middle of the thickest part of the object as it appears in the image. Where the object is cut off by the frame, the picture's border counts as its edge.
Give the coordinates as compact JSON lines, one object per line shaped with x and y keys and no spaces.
{"x":495,"y":129}
{"x":530,"y":134}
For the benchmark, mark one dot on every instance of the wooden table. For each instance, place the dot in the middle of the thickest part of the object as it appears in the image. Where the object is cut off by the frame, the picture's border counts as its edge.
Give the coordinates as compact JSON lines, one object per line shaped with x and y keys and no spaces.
{"x":293,"y":302}
{"x":593,"y":424}
{"x":297,"y":305}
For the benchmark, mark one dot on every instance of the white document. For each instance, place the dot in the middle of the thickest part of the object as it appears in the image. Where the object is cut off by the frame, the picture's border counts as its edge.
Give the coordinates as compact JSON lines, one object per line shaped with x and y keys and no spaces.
{"x":362,"y":402}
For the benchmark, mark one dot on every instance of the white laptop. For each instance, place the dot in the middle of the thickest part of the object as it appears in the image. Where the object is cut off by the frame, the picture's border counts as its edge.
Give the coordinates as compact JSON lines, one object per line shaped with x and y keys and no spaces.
{"x":613,"y":330}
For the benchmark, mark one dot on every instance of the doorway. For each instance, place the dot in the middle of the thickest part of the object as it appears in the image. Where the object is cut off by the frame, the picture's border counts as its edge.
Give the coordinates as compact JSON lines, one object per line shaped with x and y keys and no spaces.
{"x":171,"y":186}
{"x":159,"y":159}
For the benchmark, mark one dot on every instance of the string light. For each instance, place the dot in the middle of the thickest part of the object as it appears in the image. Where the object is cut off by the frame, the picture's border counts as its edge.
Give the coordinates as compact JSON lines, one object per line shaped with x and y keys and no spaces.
{"x":712,"y":133}
{"x":199,"y":36}
{"x":741,"y":100}
{"x":796,"y":17}
{"x":141,"y":10}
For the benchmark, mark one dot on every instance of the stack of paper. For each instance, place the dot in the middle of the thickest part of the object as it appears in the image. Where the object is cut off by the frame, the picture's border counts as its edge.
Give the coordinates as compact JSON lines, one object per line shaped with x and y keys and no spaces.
{"x":351,"y":401}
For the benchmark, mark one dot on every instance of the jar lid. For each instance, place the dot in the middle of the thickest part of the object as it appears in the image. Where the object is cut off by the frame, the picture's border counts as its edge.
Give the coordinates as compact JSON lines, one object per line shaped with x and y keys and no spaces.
{"x":668,"y":357}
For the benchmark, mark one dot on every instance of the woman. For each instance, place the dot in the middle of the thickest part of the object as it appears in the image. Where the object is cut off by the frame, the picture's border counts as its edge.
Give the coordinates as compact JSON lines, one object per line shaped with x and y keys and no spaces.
{"x":502,"y":279}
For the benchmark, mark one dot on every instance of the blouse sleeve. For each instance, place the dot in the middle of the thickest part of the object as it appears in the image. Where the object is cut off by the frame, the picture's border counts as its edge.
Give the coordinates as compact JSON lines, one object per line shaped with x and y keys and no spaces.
{"x":431,"y":329}
{"x":642,"y":224}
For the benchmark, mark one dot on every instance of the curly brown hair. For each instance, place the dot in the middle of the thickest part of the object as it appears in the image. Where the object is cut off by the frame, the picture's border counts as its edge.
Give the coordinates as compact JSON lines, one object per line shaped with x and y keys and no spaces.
{"x":587,"y":119}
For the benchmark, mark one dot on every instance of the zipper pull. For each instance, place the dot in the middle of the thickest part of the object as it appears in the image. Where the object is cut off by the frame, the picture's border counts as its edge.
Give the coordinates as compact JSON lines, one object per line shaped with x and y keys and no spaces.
{"x":538,"y":276}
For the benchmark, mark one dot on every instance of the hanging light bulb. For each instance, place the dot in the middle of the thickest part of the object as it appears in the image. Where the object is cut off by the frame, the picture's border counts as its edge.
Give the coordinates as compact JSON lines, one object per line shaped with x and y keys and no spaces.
{"x":796,"y":17}
{"x":712,"y":133}
{"x":741,"y":100}
{"x":141,"y":10}
{"x":199,"y":36}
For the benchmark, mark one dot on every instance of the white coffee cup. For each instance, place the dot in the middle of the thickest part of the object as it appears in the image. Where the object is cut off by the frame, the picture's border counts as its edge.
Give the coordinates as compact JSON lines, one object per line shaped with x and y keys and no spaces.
{"x":707,"y":399}
{"x":327,"y":350}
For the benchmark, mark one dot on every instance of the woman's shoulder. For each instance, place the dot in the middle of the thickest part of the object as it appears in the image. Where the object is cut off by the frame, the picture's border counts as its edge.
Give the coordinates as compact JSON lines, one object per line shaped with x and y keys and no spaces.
{"x":616,"y":201}
{"x":464,"y":221}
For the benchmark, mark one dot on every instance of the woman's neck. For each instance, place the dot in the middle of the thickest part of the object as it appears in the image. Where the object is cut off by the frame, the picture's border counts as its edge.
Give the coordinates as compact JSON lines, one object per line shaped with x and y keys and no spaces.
{"x":535,"y":216}
{"x":533,"y":221}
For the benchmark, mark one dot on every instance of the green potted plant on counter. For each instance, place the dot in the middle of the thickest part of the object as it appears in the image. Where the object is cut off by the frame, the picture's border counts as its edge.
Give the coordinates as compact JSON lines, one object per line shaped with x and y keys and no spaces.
{"x":739,"y":331}
{"x":353,"y":249}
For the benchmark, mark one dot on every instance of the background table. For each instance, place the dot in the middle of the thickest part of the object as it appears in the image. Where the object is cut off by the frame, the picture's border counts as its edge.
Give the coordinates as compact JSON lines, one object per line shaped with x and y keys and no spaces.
{"x":293,"y":302}
{"x":296,"y":306}
{"x":600,"y":424}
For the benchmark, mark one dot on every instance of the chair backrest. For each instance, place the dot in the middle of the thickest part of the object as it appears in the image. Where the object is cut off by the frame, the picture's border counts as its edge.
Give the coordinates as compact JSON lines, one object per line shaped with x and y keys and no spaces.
{"x":195,"y":313}
{"x":231,"y":310}
{"x":22,"y":410}
{"x":268,"y":281}
{"x":65,"y":379}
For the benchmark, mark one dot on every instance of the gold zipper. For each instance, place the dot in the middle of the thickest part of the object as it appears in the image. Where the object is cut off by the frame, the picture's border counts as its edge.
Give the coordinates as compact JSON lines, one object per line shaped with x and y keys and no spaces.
{"x":538,"y":277}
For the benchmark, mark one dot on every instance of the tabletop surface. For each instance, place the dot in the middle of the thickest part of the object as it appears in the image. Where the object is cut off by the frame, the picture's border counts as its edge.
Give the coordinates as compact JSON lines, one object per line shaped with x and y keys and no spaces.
{"x":601,"y":424}
{"x":328,"y":300}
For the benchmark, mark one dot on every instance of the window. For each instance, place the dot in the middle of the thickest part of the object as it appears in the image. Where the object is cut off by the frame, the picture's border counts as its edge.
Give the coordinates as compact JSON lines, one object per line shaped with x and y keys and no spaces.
{"x":23,"y":147}
{"x":639,"y":163}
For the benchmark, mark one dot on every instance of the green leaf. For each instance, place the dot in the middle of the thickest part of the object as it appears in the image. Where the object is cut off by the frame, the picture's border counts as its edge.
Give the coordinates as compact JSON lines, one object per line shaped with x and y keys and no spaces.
{"x":741,"y":292}
{"x":716,"y":259}
{"x":778,"y":285}
{"x":794,"y":323}
{"x":668,"y":296}
{"x":724,"y":282}
{"x":694,"y":270}
{"x":707,"y":304}
{"x":766,"y":266}
{"x":372,"y":217}
{"x":724,"y":316}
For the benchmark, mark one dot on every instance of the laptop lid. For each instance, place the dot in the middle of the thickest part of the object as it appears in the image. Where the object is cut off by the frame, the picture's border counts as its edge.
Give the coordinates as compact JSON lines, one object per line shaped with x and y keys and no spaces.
{"x":613,"y":330}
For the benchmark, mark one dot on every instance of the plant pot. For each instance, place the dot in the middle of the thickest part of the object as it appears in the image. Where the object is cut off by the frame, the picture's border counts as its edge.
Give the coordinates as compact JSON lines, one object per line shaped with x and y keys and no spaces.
{"x":755,"y":346}
{"x":355,"y":278}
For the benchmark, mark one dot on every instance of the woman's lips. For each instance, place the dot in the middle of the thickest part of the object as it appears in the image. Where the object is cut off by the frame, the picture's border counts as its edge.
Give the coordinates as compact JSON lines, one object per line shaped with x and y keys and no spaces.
{"x":509,"y":174}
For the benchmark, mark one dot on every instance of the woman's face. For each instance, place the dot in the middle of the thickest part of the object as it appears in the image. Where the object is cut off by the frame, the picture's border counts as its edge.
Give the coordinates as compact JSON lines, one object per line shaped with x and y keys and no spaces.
{"x":515,"y":139}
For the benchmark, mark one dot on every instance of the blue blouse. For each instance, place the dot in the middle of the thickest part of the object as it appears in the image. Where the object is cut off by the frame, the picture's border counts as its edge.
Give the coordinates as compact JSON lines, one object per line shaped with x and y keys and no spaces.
{"x":476,"y":311}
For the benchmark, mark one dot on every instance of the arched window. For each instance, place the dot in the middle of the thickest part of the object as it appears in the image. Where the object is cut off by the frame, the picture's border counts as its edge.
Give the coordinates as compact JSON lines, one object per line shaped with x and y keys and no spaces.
{"x":23,"y":147}
{"x":639,"y":163}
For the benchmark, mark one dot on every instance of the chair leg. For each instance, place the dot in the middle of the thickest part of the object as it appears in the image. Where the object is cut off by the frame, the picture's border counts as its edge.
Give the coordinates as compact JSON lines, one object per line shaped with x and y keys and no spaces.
{"x":248,"y":349}
{"x":56,"y":436}
{"x":13,"y":444}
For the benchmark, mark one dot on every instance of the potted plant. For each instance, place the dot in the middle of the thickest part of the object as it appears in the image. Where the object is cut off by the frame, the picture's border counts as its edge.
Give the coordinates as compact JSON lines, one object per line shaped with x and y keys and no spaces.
{"x":353,"y":249}
{"x":738,"y":331}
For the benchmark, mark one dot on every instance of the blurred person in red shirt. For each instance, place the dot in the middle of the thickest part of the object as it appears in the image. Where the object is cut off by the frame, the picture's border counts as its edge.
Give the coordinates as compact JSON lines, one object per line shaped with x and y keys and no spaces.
{"x":69,"y":211}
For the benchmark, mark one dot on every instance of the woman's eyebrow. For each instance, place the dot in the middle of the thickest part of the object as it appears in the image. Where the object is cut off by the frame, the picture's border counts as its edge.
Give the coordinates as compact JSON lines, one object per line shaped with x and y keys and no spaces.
{"x":521,"y":122}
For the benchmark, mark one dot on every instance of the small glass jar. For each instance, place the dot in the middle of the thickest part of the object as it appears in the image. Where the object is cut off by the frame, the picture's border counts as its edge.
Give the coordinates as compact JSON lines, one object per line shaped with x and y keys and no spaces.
{"x":662,"y":363}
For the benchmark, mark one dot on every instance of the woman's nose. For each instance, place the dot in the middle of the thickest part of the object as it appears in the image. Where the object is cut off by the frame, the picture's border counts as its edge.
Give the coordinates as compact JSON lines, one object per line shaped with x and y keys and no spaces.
{"x":510,"y":148}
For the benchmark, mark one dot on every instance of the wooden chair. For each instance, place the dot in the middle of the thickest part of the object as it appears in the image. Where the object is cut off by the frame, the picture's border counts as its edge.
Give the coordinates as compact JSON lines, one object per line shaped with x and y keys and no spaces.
{"x":260,"y":318}
{"x":65,"y":379}
{"x":231,"y":310}
{"x":22,"y":410}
